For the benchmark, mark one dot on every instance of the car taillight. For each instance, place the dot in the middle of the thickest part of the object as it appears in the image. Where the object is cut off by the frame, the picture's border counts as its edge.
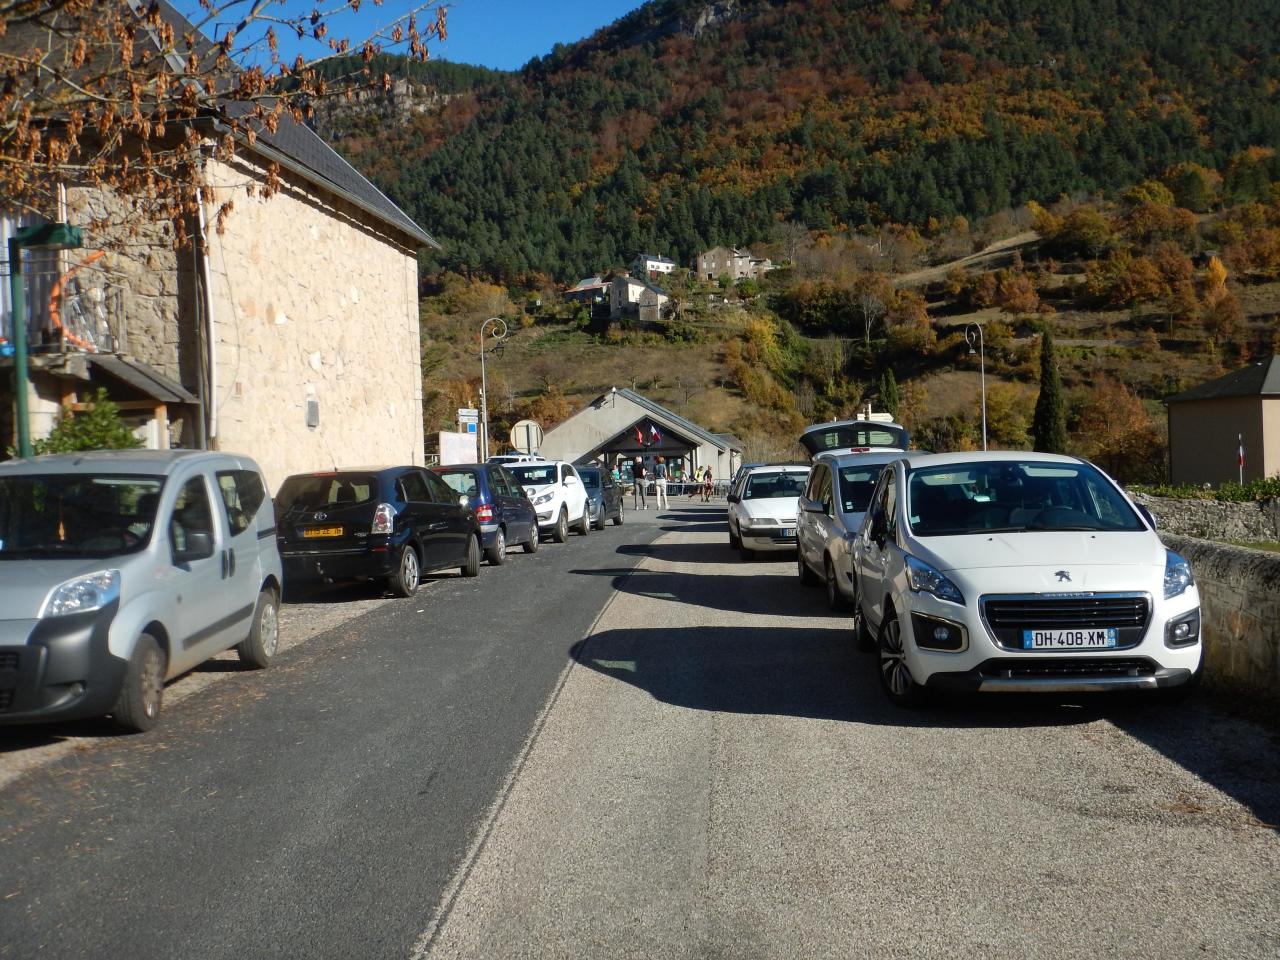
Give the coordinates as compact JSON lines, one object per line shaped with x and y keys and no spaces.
{"x":384,"y":518}
{"x":484,"y":513}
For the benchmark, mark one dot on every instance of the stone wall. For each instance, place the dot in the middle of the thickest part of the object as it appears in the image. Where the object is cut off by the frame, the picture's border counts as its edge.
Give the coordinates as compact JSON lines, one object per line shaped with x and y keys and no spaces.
{"x":1251,"y":522}
{"x":312,"y":302}
{"x":1240,"y":615}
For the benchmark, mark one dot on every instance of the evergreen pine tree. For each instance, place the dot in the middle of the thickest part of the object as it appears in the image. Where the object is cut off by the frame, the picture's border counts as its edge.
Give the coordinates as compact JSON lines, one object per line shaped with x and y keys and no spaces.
{"x":889,"y":393}
{"x":1049,"y":425}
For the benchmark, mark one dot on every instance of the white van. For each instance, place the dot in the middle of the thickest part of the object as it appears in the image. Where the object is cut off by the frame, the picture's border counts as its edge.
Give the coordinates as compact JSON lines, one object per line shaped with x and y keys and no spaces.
{"x":120,"y":569}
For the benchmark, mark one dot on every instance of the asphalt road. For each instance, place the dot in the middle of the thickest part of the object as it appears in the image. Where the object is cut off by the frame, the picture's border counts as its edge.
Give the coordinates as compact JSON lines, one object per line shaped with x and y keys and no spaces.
{"x":317,"y":809}
{"x":670,"y":754}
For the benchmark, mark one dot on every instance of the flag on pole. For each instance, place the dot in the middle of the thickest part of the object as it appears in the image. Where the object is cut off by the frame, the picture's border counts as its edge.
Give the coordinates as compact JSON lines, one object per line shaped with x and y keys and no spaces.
{"x":639,"y":436}
{"x":655,"y":435}
{"x":1240,"y":437}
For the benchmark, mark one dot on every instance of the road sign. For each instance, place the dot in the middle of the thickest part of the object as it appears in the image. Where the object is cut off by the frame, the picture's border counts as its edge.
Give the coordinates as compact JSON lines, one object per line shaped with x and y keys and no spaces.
{"x":468,"y":415}
{"x":526,"y":436}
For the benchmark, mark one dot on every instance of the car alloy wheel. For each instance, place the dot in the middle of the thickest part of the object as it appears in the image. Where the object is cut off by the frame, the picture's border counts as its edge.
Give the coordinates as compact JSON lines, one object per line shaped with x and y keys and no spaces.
{"x":895,"y":675}
{"x":561,"y":533}
{"x":861,"y":632}
{"x":531,"y":545}
{"x":405,"y":580}
{"x":497,"y":554}
{"x":835,"y":599}
{"x":806,"y":575}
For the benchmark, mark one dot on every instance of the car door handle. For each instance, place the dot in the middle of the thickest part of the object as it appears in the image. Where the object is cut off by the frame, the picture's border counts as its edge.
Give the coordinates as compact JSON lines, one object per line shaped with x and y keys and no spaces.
{"x":231,"y":565}
{"x":223,"y":557}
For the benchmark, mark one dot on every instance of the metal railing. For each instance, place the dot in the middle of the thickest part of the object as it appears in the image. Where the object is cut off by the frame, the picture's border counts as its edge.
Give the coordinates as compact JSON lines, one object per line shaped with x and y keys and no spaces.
{"x":79,"y":308}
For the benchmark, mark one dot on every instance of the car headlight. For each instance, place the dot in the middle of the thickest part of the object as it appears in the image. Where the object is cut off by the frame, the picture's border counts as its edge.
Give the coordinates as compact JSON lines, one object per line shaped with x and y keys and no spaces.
{"x":923,"y":578}
{"x":1177,"y":575}
{"x":83,"y":594}
{"x":543,"y":498}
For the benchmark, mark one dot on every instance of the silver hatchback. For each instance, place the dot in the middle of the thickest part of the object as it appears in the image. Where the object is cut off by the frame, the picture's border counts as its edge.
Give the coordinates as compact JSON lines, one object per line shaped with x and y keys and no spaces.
{"x":829,"y":514}
{"x":122,"y":569}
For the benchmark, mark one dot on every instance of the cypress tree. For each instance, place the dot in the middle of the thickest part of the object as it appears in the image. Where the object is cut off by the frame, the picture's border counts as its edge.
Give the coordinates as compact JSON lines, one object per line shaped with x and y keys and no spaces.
{"x":1049,"y":425}
{"x":889,"y":393}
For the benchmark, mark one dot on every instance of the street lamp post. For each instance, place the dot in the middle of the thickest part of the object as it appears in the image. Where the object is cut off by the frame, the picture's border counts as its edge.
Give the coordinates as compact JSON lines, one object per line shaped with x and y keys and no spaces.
{"x":46,"y":236}
{"x":498,"y":331}
{"x":982,"y":367}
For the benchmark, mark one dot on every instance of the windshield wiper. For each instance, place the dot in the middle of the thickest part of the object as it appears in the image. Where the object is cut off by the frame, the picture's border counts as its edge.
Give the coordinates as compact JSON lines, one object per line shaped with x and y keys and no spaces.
{"x":1019,"y":529}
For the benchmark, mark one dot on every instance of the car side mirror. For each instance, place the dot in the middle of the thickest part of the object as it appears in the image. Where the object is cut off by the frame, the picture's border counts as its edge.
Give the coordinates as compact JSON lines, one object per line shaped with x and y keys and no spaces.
{"x":734,"y":498}
{"x":199,"y":546}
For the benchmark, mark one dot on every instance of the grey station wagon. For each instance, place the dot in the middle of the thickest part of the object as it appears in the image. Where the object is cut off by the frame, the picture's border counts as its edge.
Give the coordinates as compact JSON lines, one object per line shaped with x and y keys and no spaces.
{"x":120,"y":569}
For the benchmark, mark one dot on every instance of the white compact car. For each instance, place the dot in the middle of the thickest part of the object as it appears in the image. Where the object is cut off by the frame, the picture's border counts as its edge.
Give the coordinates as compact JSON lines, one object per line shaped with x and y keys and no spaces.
{"x":558,"y":495}
{"x":829,"y":515}
{"x":762,"y":508}
{"x":1019,"y":572}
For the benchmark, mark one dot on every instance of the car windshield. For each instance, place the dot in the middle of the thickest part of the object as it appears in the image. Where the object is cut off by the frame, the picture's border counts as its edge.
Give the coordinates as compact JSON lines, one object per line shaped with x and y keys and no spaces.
{"x":856,"y":485}
{"x":76,"y":515}
{"x":590,"y":478}
{"x":1015,"y":496}
{"x":534,"y":474}
{"x":460,"y":481}
{"x":765,"y":486}
{"x":325,"y":491}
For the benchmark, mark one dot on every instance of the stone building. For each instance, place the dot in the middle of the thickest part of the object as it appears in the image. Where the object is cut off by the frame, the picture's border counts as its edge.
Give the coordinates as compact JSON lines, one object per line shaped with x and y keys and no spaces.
{"x":1210,"y":423}
{"x":634,"y":299}
{"x":291,"y":335}
{"x":732,"y":262}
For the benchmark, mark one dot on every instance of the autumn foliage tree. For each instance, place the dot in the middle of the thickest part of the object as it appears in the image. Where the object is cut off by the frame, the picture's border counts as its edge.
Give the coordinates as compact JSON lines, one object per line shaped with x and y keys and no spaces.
{"x":124,"y":96}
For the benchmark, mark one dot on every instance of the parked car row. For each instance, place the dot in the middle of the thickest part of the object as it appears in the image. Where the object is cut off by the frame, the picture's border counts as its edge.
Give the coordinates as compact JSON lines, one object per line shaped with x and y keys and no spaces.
{"x":120,"y":570}
{"x":997,"y":572}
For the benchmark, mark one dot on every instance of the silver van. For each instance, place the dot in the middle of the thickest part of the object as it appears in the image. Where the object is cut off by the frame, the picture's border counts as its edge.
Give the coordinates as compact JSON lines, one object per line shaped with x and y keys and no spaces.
{"x":121,"y":569}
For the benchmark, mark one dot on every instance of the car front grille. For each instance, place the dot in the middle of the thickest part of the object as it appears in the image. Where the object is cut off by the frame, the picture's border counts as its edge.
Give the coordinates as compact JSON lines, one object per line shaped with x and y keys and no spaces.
{"x":1056,"y":667}
{"x":1007,"y":616}
{"x":8,"y":660}
{"x":6,"y":698}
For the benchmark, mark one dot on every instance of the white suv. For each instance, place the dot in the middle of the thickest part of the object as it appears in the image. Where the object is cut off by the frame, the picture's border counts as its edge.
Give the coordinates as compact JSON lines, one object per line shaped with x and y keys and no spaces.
{"x":558,"y":495}
{"x":762,"y":508}
{"x":1019,"y":572}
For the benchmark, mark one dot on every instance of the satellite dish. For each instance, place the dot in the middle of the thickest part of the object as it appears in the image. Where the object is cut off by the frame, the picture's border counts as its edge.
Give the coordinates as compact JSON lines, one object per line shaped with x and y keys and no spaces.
{"x":526,"y":436}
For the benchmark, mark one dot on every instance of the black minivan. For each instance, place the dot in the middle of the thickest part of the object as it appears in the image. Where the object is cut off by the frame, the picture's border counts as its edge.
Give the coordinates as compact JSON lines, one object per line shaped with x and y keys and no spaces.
{"x":389,"y":523}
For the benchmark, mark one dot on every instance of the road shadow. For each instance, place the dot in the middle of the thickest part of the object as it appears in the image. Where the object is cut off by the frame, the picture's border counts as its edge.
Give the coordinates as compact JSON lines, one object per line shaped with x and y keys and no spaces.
{"x":676,"y":552}
{"x":759,"y":594}
{"x":343,"y":592}
{"x":1234,"y":754}
{"x":790,"y":671}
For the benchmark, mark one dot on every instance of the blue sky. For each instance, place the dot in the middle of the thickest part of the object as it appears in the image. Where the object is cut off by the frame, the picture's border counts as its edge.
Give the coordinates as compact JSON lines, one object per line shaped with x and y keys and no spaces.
{"x":502,"y":34}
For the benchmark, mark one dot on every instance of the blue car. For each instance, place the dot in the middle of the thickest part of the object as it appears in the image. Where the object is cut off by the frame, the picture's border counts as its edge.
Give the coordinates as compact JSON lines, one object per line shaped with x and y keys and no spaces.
{"x":604,"y":497}
{"x":505,"y":515}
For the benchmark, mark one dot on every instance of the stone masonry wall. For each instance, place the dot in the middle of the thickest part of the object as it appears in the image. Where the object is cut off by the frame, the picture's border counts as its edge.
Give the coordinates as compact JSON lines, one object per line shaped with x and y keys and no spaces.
{"x":1240,"y":615}
{"x":1251,"y":522}
{"x":310,"y":301}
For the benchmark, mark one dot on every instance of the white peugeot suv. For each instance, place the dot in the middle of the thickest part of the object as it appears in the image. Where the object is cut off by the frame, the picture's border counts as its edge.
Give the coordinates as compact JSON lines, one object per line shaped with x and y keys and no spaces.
{"x":1018,"y":572}
{"x":558,"y":495}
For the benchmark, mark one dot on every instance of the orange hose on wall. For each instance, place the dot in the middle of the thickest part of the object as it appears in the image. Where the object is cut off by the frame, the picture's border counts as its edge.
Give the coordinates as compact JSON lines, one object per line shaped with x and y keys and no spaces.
{"x":55,"y":297}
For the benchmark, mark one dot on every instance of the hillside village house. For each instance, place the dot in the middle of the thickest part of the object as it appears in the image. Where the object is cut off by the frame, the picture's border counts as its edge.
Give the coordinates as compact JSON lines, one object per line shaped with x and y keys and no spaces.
{"x":634,"y":299}
{"x":737,"y":264}
{"x":1210,"y":423}
{"x":593,"y":292}
{"x":292,"y":337}
{"x":652,"y":266}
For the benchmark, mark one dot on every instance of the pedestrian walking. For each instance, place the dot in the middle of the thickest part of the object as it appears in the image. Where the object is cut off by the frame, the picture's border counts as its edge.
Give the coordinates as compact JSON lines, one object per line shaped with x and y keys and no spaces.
{"x":708,"y":484}
{"x":641,"y":477}
{"x":660,"y":483}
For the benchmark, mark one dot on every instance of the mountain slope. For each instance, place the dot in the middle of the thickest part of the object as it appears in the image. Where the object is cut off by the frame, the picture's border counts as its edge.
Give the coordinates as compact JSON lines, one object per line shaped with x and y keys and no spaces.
{"x":687,"y":124}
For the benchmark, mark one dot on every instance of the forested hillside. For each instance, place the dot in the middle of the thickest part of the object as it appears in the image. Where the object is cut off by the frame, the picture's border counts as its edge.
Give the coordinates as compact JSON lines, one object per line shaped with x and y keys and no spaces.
{"x":687,"y":124}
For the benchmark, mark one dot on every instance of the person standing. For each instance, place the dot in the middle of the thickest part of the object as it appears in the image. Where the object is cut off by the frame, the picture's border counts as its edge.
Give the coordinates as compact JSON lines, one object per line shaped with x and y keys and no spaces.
{"x":641,"y":477}
{"x":660,"y":484}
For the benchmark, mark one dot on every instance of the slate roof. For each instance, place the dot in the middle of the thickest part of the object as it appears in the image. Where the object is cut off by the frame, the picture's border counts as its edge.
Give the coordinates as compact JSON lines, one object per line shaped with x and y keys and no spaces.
{"x":1261,"y":379}
{"x":656,"y":258}
{"x":300,"y":148}
{"x":688,"y":426}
